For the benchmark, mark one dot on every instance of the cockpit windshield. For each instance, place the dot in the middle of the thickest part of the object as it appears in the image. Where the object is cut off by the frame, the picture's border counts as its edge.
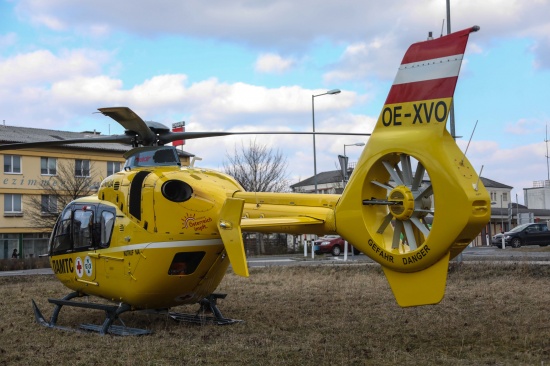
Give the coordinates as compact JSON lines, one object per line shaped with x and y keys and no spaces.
{"x":152,"y":156}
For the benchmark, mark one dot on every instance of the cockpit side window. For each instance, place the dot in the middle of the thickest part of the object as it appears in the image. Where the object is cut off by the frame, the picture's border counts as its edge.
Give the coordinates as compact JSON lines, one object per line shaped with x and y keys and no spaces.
{"x":61,"y":239}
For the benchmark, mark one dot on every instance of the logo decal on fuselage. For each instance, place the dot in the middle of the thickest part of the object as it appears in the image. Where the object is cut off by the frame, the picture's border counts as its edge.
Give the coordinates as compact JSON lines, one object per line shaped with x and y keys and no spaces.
{"x":79,"y":268}
{"x":195,"y":223}
{"x":88,"y":267}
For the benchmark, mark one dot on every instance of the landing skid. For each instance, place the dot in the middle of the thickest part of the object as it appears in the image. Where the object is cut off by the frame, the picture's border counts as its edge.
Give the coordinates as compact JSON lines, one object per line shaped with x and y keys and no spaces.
{"x":112,"y":313}
{"x":208,"y":305}
{"x":208,"y":313}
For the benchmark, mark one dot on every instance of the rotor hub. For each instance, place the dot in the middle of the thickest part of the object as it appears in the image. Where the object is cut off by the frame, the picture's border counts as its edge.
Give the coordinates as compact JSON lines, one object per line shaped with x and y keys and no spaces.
{"x":404,"y":202}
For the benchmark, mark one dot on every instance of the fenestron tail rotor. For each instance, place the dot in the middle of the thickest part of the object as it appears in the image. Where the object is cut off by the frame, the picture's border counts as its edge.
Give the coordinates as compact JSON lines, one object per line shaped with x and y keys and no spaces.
{"x":408,"y":198}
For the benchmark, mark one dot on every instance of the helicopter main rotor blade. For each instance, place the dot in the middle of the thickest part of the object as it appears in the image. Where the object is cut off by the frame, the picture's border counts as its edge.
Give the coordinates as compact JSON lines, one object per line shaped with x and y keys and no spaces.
{"x":169,"y":137}
{"x":138,"y":132}
{"x":128,"y":119}
{"x":123,"y":139}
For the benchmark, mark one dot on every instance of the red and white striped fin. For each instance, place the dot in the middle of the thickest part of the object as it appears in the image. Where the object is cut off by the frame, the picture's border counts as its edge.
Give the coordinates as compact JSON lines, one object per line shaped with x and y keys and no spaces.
{"x":422,"y":92}
{"x":429,"y":69}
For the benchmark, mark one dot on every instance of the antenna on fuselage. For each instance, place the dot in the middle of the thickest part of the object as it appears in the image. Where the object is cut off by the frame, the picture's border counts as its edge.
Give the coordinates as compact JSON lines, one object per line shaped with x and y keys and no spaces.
{"x":192,"y":165}
{"x":467,"y":146}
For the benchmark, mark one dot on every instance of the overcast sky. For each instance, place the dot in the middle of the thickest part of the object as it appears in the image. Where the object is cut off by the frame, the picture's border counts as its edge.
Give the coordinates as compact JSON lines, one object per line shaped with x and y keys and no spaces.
{"x":253,"y":65}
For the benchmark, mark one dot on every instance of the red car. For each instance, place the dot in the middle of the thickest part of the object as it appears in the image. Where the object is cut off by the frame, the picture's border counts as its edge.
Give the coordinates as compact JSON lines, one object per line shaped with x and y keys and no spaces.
{"x":333,"y":244}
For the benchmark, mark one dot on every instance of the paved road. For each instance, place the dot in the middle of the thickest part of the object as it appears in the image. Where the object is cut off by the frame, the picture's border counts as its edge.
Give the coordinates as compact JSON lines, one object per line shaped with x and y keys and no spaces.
{"x":40,"y":271}
{"x":530,"y":254}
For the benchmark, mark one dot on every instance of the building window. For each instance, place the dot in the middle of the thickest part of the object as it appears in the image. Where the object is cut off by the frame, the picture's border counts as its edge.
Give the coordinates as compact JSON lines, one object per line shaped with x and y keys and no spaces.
{"x":49,"y":204}
{"x":493,"y":196}
{"x":505,"y":196}
{"x":113,"y":167}
{"x":82,"y":168}
{"x":10,"y":242}
{"x":12,"y":164}
{"x":12,"y":204}
{"x":48,"y":166}
{"x":35,"y":245}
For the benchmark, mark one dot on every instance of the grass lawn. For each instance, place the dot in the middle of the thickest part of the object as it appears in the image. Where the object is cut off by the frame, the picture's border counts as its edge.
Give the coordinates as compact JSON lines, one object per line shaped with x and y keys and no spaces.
{"x":304,"y":315}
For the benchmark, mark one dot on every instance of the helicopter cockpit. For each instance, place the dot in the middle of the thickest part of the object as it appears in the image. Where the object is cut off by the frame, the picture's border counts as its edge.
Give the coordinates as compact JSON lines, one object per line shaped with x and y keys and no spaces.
{"x":151,"y":156}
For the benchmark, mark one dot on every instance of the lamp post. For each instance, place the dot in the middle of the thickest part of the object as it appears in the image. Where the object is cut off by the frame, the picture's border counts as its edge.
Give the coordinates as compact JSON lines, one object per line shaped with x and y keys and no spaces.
{"x":332,"y":91}
{"x":503,"y":244}
{"x":346,"y":168}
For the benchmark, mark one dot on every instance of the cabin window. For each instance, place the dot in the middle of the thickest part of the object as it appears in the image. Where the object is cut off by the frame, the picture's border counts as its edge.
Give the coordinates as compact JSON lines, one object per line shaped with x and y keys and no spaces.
{"x":82,"y":228}
{"x":107,"y":223}
{"x":185,"y":263}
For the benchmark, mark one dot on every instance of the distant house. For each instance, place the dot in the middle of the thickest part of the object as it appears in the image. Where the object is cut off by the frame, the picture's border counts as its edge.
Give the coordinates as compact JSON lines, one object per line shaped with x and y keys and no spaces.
{"x":538,"y":196}
{"x":327,"y":182}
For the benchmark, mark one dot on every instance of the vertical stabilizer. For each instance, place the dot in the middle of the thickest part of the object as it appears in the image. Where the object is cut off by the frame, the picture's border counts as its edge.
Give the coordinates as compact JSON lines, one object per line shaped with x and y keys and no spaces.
{"x":413,"y":201}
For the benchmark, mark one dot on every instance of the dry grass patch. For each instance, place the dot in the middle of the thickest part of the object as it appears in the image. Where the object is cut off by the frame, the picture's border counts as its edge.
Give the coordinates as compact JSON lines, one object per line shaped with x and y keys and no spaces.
{"x":323,"y":315}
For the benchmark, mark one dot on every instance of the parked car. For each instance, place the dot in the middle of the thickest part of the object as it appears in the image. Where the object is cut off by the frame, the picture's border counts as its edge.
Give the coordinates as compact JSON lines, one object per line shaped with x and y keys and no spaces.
{"x":526,"y":234}
{"x":333,"y":244}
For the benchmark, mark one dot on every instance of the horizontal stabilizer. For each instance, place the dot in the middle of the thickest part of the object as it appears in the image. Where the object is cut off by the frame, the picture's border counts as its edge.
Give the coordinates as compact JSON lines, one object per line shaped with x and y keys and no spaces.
{"x":266,"y":224}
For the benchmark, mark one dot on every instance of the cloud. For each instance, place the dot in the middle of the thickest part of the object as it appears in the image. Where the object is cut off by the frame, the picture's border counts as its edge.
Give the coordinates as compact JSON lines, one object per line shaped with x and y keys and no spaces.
{"x":61,"y":86}
{"x":42,"y":66}
{"x":273,"y":63}
{"x":522,"y":127}
{"x":281,"y":22}
{"x":363,"y":60}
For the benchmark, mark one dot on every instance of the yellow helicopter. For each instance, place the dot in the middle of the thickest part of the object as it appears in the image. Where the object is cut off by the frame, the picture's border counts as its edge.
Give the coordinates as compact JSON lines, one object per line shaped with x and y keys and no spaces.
{"x":158,"y":235}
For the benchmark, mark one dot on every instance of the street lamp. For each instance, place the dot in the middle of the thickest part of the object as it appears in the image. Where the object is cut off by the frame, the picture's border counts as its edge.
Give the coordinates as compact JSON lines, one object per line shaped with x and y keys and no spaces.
{"x":346,"y":168}
{"x":332,"y":91}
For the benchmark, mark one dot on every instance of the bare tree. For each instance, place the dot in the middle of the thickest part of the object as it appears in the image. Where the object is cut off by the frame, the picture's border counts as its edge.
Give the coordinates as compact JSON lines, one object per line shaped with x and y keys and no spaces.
{"x":257,"y":168}
{"x":58,"y":191}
